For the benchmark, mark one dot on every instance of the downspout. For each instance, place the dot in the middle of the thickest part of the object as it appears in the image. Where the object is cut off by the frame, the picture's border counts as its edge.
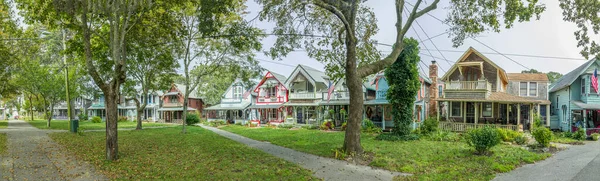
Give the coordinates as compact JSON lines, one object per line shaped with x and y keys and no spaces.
{"x":569,"y":113}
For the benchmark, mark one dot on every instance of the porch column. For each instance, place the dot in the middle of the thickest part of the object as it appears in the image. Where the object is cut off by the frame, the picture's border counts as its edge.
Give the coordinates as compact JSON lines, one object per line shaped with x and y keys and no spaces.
{"x":476,"y":113}
{"x":464,"y":111}
{"x":438,"y":112}
{"x":538,"y":110}
{"x":447,"y":110}
{"x":518,"y":115}
{"x":383,"y":117}
{"x":584,"y":120}
{"x":531,"y":116}
{"x":548,"y":115}
{"x":507,"y":113}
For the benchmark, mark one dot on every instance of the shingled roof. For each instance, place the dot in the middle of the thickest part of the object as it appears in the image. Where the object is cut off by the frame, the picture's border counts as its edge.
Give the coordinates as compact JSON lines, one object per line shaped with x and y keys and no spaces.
{"x":542,"y":77}
{"x":570,"y":77}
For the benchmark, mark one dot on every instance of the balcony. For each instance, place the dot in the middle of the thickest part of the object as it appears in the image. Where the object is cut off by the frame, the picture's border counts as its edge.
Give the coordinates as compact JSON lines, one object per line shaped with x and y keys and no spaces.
{"x":338,"y":96}
{"x":381,"y":94}
{"x":231,"y":100}
{"x":172,"y":104}
{"x":306,"y":95}
{"x":467,"y":89}
{"x":271,"y":99}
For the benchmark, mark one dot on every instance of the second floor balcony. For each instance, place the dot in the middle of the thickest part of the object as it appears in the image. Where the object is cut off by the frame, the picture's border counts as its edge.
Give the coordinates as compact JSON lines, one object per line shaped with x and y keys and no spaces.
{"x":172,"y":104}
{"x":381,"y":94}
{"x":231,"y":100}
{"x":338,"y":96}
{"x":306,"y":95}
{"x":467,"y":89}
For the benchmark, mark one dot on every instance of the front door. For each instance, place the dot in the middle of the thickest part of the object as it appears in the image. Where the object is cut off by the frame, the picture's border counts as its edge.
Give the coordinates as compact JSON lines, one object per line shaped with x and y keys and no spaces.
{"x":300,"y":115}
{"x":470,"y":112}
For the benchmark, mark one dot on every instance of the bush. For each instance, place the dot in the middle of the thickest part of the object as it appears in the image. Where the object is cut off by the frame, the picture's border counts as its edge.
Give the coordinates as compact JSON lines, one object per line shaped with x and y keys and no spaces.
{"x":542,"y":135}
{"x":444,"y":136}
{"x":595,"y":136}
{"x":579,"y":135}
{"x":82,"y":117}
{"x":537,"y":121}
{"x":309,"y":127}
{"x":192,"y":119}
{"x":430,"y":125}
{"x":370,"y":127}
{"x":508,"y":135}
{"x":344,"y":125}
{"x":521,"y":140}
{"x":393,"y":137}
{"x":285,"y":126}
{"x":217,"y":123}
{"x":483,"y":139}
{"x":327,"y":125}
{"x":96,"y":119}
{"x":567,"y":135}
{"x":122,"y":119}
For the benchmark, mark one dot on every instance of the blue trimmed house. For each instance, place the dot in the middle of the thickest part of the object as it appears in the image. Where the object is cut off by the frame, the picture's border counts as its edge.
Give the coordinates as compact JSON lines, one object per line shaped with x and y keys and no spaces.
{"x":234,"y":104}
{"x":575,"y":103}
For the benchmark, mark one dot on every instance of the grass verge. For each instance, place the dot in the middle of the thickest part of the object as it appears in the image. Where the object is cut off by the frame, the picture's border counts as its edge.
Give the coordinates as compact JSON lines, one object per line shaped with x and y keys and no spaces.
{"x":563,"y":140}
{"x":3,"y":124}
{"x":3,"y":143}
{"x":427,"y":160}
{"x":166,"y":154}
{"x":88,"y":125}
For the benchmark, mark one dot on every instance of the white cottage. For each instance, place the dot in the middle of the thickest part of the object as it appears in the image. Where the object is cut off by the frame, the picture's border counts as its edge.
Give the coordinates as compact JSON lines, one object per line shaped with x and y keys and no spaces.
{"x":234,"y":104}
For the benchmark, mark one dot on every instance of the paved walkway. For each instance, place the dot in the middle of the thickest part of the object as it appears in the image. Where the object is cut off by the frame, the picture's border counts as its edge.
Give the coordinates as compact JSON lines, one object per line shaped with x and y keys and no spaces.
{"x":32,"y":155}
{"x":325,"y":168}
{"x":575,"y":163}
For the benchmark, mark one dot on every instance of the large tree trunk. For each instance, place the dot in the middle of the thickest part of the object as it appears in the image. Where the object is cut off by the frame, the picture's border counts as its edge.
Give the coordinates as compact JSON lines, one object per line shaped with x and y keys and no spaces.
{"x":140,"y":111}
{"x":184,"y":117}
{"x":355,"y":110}
{"x":50,"y":115}
{"x":111,"y":125}
{"x":31,"y":107}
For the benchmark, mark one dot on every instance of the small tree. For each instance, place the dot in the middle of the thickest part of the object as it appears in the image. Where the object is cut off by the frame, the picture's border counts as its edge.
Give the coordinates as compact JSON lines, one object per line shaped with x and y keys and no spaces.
{"x":483,"y":139}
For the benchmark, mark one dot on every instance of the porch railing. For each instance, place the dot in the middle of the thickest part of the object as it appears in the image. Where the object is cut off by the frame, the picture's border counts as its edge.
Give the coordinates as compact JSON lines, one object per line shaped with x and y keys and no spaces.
{"x":462,"y":127}
{"x":175,"y":104}
{"x":468,"y":85}
{"x":306,"y":95}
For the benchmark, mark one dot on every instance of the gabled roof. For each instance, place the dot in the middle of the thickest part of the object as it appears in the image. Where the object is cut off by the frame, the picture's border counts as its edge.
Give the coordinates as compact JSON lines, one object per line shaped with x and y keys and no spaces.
{"x":310,"y":73}
{"x":237,"y":81}
{"x":193,"y":94}
{"x":465,"y":55}
{"x":280,"y":78}
{"x":540,"y":77}
{"x":570,"y":77}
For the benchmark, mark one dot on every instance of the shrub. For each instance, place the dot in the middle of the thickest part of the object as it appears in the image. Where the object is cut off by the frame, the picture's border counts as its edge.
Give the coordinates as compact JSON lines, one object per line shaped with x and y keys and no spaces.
{"x":567,"y":135}
{"x":508,"y":135}
{"x":595,"y":136}
{"x":344,"y":125}
{"x":579,"y":134}
{"x":192,"y":119}
{"x":542,"y":135}
{"x":483,"y":139}
{"x":537,"y":121}
{"x":394,"y":137}
{"x":444,"y":136}
{"x":370,"y":127}
{"x":309,"y":127}
{"x":327,"y":125}
{"x":521,"y":140}
{"x":430,"y":125}
{"x":285,"y":126}
{"x":82,"y":117}
{"x":122,"y":119}
{"x":96,"y":119}
{"x":217,"y":123}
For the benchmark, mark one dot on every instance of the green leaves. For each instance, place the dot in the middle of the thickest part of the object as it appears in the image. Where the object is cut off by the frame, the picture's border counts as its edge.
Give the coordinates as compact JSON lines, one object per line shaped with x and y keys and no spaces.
{"x":584,"y":14}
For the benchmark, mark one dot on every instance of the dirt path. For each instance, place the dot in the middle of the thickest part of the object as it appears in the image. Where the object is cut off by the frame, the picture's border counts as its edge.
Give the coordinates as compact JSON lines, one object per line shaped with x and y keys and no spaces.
{"x":32,"y":155}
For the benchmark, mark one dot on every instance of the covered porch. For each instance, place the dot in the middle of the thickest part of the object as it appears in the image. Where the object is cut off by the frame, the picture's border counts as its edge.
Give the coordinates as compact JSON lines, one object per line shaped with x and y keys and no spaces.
{"x":302,"y":113}
{"x":231,"y":114}
{"x":586,"y":116}
{"x":263,"y":114}
{"x":173,"y":114}
{"x":498,"y":110}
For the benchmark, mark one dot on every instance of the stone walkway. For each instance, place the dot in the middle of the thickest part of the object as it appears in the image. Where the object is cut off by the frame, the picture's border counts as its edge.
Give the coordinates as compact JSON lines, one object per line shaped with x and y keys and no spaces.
{"x":325,"y":168}
{"x":32,"y":155}
{"x":581,"y":162}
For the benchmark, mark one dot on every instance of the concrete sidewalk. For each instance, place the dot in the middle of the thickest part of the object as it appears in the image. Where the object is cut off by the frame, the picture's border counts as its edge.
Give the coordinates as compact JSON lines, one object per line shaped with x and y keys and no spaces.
{"x":325,"y":168}
{"x":576,"y":163}
{"x":32,"y":155}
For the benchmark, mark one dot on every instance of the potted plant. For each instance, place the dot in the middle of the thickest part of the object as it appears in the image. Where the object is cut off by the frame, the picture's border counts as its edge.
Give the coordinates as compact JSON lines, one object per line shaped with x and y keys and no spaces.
{"x":289,"y":119}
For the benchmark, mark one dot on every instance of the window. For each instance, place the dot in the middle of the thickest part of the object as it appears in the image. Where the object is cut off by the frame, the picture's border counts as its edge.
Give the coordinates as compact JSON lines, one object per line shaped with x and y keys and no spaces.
{"x":237,"y":92}
{"x":533,"y":89}
{"x":582,"y":85}
{"x":456,"y":109}
{"x":487,"y":109}
{"x":272,"y":92}
{"x":440,"y":90}
{"x":273,"y":114}
{"x":173,"y":99}
{"x":523,"y":89}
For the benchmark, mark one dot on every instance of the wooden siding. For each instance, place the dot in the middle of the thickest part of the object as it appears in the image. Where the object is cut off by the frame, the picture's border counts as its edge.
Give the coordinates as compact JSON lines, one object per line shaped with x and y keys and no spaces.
{"x":562,"y":96}
{"x":542,"y":89}
{"x":490,"y":72}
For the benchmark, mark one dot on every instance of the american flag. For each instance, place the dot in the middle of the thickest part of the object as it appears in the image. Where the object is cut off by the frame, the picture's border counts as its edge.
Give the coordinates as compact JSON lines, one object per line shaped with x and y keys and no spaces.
{"x":595,"y":80}
{"x":330,"y":90}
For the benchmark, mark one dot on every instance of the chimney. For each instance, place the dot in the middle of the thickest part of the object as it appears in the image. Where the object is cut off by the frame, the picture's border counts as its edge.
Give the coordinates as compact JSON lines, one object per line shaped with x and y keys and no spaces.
{"x":433,"y":89}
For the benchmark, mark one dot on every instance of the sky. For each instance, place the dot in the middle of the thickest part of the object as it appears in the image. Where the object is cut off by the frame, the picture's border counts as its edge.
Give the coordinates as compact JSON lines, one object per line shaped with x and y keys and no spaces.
{"x":548,"y":36}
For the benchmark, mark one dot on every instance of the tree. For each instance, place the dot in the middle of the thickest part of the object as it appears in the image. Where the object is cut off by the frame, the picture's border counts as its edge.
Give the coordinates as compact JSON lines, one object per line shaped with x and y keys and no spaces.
{"x":214,"y":86}
{"x":532,"y":71}
{"x":403,"y":78}
{"x":209,"y":52}
{"x":553,"y":76}
{"x":585,"y":15}
{"x":353,"y":25}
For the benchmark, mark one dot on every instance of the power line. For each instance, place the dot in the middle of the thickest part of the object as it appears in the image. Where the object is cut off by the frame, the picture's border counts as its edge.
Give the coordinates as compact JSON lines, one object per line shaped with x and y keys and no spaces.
{"x":418,"y":24}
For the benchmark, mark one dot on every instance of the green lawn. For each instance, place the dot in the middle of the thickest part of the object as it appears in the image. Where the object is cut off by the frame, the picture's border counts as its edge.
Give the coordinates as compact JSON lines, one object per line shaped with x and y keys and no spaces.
{"x":563,"y":140}
{"x":3,"y":123}
{"x":166,"y":154}
{"x":88,"y":125}
{"x":427,"y":160}
{"x":2,"y":143}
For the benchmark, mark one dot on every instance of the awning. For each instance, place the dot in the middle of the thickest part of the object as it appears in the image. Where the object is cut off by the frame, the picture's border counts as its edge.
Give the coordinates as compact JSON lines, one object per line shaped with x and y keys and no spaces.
{"x":499,"y":97}
{"x":175,"y":109}
{"x":301,"y":104}
{"x":377,"y":102}
{"x":265,"y":106}
{"x":587,"y":106}
{"x":333,"y":103}
{"x":96,"y":106}
{"x":171,"y":94}
{"x":228,"y":107}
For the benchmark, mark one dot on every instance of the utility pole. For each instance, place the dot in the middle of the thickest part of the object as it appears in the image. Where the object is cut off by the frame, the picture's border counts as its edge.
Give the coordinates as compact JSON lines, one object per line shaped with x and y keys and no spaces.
{"x":64,"y":44}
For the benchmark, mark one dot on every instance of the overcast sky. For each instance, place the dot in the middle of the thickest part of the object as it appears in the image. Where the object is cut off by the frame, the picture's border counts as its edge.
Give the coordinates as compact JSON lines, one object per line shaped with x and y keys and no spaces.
{"x":549,"y":36}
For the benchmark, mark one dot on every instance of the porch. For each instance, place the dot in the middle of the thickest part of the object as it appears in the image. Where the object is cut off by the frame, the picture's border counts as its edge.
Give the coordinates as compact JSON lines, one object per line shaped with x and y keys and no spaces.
{"x":462,"y":127}
{"x":173,"y":115}
{"x":586,"y":116}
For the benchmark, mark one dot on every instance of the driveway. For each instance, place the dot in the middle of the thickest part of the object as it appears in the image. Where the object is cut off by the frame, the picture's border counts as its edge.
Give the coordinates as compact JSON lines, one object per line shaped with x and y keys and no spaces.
{"x":575,"y":163}
{"x":32,"y":155}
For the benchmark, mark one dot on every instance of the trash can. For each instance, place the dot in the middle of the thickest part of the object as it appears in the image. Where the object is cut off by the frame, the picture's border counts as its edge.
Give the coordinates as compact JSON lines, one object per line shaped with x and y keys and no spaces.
{"x":74,"y":125}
